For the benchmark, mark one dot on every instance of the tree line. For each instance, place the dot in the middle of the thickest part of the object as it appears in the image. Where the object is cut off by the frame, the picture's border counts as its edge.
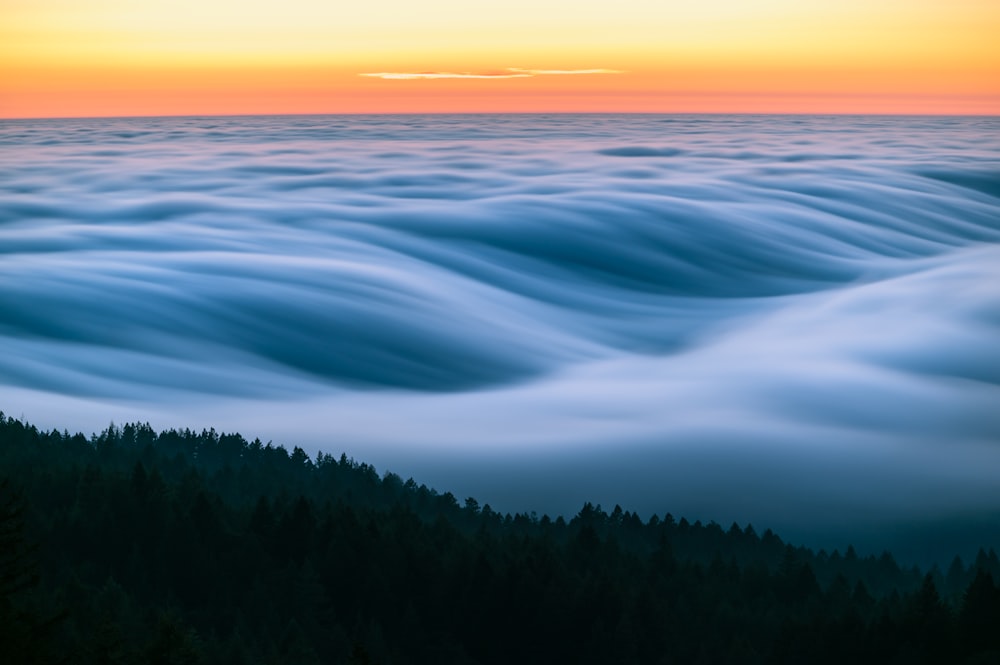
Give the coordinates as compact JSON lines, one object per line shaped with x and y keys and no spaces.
{"x":137,"y":546}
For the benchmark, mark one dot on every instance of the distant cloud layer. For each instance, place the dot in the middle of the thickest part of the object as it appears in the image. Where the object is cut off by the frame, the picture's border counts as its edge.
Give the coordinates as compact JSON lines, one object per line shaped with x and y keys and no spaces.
{"x":508,"y":73}
{"x":780,"y":320}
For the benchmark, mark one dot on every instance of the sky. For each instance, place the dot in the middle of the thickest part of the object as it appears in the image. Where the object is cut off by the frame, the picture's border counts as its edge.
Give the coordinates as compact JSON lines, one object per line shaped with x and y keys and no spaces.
{"x":181,"y":57}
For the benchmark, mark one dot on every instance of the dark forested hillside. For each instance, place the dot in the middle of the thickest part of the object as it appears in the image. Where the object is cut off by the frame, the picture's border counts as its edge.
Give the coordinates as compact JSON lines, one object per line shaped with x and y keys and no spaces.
{"x":134,"y":546}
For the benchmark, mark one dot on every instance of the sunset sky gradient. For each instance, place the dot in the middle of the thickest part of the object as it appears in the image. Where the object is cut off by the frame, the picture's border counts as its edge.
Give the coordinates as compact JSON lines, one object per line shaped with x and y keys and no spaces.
{"x":156,"y":57}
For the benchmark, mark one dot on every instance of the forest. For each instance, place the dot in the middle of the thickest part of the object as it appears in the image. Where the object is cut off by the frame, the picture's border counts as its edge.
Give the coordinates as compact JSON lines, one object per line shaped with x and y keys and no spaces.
{"x":137,"y":546}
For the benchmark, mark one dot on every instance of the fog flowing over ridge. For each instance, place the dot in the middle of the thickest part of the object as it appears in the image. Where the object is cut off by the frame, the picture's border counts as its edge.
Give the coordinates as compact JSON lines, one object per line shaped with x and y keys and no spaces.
{"x":788,"y":320}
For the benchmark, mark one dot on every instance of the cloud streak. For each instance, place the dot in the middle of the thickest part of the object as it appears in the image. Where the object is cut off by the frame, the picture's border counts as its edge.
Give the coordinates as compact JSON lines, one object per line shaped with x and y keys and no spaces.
{"x":563,"y":72}
{"x":508,"y":73}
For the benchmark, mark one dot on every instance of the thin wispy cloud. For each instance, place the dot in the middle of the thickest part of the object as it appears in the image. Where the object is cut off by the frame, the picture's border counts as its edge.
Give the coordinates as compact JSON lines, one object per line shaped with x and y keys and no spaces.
{"x":508,"y":73}
{"x":406,"y":76}
{"x":562,"y":72}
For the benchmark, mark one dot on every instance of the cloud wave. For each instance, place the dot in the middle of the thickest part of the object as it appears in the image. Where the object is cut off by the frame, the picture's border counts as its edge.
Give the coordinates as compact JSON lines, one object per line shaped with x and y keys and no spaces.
{"x":784,"y":320}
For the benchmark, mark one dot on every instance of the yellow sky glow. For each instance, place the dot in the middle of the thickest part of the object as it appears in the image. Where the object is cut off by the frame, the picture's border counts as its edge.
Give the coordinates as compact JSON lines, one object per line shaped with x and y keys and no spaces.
{"x":159,"y":57}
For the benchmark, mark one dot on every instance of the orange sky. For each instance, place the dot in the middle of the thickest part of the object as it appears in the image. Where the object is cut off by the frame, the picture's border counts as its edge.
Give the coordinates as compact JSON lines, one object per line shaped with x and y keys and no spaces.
{"x":159,"y":57}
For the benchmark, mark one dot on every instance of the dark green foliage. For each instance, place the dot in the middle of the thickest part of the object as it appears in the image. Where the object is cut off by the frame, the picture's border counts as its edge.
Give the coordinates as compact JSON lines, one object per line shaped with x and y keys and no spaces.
{"x":184,"y":547}
{"x":27,"y":619}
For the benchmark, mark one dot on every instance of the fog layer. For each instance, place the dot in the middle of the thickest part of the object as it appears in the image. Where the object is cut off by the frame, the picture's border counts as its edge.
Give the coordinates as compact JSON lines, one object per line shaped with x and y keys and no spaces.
{"x":794,"y":321}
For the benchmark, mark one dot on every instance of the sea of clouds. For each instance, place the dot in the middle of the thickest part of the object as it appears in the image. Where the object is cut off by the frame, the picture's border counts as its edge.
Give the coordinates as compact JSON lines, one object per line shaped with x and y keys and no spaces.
{"x":788,"y":320}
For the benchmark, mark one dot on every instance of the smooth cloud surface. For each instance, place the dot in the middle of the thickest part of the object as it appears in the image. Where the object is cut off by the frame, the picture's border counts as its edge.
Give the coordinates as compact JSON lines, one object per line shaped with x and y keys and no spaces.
{"x":794,"y":321}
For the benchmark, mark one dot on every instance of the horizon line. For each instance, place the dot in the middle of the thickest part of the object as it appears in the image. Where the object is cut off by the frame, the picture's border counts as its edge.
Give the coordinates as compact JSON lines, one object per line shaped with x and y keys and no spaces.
{"x":508,"y":113}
